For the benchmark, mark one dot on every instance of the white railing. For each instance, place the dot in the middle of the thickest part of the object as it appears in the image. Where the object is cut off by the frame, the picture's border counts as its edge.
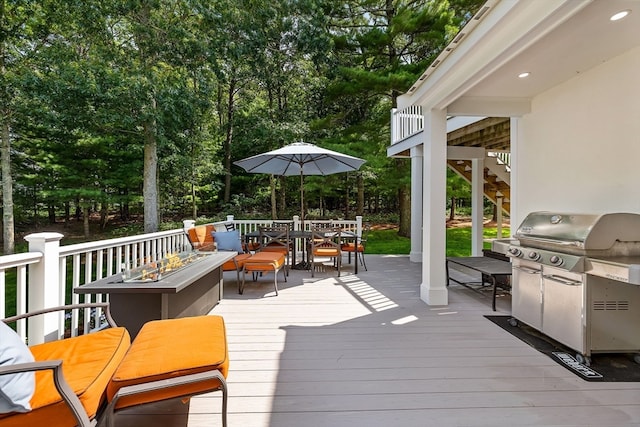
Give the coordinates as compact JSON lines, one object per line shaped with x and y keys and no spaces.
{"x":44,"y":270}
{"x":503,"y":157}
{"x":406,"y":122}
{"x":19,"y":262}
{"x":248,"y":225}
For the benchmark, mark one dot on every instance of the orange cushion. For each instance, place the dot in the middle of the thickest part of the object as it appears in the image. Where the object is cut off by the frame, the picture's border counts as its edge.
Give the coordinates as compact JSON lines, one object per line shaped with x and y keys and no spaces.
{"x":89,"y":361}
{"x":170,"y":348}
{"x":201,"y":237}
{"x":263,"y":261}
{"x":326,"y":251}
{"x":251,"y":246}
{"x":275,"y":249}
{"x":236,"y":263}
{"x":351,"y":247}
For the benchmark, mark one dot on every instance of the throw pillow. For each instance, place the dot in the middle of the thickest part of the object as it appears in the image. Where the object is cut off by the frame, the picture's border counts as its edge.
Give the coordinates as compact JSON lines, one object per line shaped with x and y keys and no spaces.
{"x":16,"y":390}
{"x":228,"y":240}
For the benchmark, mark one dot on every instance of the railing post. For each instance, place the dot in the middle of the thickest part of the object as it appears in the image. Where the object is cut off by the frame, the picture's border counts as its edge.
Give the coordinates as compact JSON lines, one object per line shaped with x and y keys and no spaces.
{"x":394,"y":126}
{"x":499,"y":200}
{"x":44,"y":286}
{"x":296,"y":222}
{"x":230,"y":218}
{"x":359,"y":225}
{"x":188,"y":223}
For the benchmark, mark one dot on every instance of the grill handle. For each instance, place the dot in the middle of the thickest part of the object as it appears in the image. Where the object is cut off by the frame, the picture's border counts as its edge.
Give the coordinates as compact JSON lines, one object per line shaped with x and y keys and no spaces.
{"x":562,"y":280}
{"x":527,"y":270}
{"x":546,"y":241}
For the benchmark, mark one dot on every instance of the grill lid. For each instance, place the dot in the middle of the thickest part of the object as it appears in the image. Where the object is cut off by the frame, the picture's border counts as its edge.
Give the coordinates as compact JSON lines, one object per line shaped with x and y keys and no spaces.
{"x":573,"y":232}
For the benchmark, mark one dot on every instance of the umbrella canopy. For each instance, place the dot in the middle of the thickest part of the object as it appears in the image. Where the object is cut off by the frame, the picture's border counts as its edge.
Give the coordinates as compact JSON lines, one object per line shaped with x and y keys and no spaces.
{"x":300,"y":158}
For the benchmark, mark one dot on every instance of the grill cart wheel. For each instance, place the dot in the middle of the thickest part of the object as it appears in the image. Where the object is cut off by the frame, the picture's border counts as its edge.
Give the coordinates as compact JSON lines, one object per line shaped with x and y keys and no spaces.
{"x":586,"y":361}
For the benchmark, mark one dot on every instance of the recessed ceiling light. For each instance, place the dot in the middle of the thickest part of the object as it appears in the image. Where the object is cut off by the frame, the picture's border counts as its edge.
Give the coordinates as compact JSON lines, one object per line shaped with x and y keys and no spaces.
{"x":524,"y":75}
{"x":618,"y":16}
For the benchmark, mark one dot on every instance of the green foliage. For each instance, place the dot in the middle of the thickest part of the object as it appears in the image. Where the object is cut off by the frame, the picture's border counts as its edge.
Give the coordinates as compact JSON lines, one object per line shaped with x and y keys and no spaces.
{"x":458,"y":241}
{"x":95,"y":89}
{"x":387,"y":242}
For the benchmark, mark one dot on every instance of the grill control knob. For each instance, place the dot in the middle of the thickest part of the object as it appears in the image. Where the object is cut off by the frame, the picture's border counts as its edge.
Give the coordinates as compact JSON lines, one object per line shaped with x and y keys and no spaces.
{"x":533,"y":255}
{"x":555,"y":260}
{"x":515,"y":252}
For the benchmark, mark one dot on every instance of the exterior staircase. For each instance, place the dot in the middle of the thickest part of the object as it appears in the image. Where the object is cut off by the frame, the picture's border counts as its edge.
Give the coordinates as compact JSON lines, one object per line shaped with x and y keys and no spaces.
{"x":496,"y":176}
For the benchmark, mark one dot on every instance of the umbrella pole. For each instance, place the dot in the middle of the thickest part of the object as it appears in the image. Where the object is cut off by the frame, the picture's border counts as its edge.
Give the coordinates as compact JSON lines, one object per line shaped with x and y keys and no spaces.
{"x":303,"y":265}
{"x":301,"y":200}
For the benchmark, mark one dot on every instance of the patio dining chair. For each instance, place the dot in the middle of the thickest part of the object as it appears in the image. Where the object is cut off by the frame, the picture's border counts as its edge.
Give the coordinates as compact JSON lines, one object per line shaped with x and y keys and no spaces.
{"x":325,"y":242}
{"x":358,"y":250}
{"x":276,"y":239}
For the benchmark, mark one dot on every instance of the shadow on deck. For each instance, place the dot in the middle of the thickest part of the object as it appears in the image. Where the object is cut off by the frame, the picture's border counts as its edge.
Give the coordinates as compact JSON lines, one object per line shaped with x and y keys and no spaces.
{"x":366,"y":351}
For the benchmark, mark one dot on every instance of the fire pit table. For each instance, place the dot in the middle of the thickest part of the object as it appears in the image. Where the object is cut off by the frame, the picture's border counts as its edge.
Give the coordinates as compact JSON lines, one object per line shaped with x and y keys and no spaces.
{"x":188,"y":289}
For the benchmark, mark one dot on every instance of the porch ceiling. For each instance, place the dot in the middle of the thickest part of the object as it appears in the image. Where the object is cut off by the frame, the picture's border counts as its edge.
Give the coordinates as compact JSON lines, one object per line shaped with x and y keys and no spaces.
{"x":581,"y":42}
{"x":552,"y":40}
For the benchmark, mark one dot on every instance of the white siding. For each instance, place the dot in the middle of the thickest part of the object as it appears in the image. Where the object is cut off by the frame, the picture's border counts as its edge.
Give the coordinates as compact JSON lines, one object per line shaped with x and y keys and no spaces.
{"x":579,"y":149}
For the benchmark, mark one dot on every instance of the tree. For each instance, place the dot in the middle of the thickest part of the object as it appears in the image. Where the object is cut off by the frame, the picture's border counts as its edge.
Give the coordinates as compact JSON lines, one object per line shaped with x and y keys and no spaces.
{"x":119,"y":104}
{"x":457,"y":188}
{"x":21,"y":33}
{"x":381,"y":47}
{"x":165,"y":56}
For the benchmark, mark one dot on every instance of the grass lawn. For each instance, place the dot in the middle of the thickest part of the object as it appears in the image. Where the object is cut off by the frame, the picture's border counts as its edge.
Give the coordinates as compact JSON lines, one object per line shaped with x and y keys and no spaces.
{"x":458,"y":241}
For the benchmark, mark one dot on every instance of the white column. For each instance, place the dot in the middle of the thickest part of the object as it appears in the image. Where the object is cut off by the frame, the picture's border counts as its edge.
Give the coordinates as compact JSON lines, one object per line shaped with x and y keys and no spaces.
{"x":515,"y":217}
{"x":477,"y":205}
{"x":433,"y":289}
{"x":417,"y":160}
{"x":499,"y":217}
{"x":45,"y":289}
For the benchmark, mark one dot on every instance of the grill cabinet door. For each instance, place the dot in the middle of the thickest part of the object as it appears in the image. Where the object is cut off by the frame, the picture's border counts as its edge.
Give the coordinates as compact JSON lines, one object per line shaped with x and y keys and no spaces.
{"x":526,"y":293}
{"x":562,"y":313}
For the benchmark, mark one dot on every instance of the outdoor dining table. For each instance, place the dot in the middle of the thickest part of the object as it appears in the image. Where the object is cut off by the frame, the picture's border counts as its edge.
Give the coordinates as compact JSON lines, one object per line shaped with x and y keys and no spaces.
{"x":488,"y":267}
{"x":306,"y":236}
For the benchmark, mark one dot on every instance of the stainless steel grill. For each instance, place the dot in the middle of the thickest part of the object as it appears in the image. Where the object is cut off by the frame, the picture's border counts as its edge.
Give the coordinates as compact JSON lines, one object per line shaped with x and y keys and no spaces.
{"x":573,"y":277}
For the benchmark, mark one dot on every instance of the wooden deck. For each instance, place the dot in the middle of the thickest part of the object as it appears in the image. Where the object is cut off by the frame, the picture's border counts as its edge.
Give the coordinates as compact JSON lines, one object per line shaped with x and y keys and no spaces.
{"x":366,"y":351}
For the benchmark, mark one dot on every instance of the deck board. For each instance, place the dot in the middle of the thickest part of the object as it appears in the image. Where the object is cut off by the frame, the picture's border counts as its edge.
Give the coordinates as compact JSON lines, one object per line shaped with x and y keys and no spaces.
{"x":366,"y":351}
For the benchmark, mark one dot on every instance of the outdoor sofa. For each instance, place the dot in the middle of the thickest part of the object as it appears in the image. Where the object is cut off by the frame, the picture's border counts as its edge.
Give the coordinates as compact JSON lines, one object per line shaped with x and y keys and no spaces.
{"x":84,"y":380}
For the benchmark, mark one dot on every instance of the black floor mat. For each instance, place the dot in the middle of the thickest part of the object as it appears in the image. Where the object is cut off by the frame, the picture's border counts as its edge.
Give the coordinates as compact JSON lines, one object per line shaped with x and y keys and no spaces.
{"x":604,"y":367}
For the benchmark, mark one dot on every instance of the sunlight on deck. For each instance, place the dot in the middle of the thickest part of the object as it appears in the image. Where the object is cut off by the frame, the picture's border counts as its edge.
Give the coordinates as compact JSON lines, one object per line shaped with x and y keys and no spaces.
{"x":368,"y":295}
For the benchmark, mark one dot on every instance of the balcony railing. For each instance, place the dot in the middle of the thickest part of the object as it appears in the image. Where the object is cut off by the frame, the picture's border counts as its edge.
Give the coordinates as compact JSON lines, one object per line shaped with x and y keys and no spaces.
{"x":406,"y":122}
{"x":51,"y":272}
{"x":503,"y":157}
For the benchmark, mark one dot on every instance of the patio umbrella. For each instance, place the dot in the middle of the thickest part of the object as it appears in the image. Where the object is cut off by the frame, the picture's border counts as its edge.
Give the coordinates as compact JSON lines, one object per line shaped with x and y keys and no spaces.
{"x":300,"y":158}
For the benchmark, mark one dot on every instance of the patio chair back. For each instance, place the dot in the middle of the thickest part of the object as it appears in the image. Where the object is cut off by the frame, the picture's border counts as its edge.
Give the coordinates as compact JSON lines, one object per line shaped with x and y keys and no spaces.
{"x":325,"y":242}
{"x":282,"y":223}
{"x":321,"y":223}
{"x":276,"y":239}
{"x":358,"y":249}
